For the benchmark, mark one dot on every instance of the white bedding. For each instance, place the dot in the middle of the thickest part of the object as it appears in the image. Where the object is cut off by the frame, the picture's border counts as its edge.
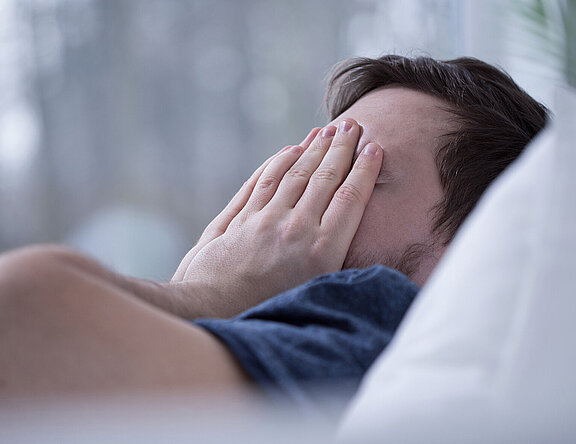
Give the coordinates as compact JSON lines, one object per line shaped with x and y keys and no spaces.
{"x":488,"y":352}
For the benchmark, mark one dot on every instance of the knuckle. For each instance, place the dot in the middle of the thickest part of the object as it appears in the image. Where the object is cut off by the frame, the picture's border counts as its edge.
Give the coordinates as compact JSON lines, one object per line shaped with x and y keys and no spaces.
{"x":317,"y":255}
{"x":339,"y":142}
{"x":268,"y":182}
{"x":289,"y":230}
{"x":320,"y":258}
{"x":320,"y":144}
{"x":343,"y":142}
{"x":327,"y":174}
{"x":349,"y":193}
{"x":292,"y":229}
{"x":298,"y":173}
{"x":264,"y":222}
{"x":362,"y":165}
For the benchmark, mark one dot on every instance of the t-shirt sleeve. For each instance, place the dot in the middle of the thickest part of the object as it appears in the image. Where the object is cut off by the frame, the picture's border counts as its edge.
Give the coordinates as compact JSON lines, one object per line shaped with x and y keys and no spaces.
{"x":324,"y":333}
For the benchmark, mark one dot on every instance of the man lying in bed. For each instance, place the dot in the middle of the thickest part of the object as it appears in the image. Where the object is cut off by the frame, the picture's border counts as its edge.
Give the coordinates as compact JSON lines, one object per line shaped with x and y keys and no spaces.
{"x":428,"y":138}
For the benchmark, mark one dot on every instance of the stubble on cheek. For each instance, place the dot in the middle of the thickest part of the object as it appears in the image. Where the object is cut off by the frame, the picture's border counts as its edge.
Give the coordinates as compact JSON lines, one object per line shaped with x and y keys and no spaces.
{"x":407,"y":261}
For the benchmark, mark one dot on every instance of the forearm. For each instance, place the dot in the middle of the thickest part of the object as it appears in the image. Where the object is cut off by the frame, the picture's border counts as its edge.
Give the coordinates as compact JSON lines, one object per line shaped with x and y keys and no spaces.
{"x":70,"y":326}
{"x":188,"y":300}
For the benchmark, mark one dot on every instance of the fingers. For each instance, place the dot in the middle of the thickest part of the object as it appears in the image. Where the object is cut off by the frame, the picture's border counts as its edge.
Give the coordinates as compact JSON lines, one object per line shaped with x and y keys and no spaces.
{"x":266,"y":185}
{"x":332,"y":170}
{"x":297,"y":177}
{"x":221,"y":222}
{"x":239,"y":200}
{"x":270,"y":179}
{"x":219,"y":225}
{"x":310,"y":137}
{"x":344,"y":213}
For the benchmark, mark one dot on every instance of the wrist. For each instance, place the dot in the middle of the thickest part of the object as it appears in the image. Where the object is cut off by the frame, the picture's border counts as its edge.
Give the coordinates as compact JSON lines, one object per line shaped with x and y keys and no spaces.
{"x":205,"y":299}
{"x":192,"y":299}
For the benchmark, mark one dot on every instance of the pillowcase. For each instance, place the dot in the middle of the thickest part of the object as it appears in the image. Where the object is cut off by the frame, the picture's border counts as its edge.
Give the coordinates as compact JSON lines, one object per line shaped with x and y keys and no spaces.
{"x":487,"y":353}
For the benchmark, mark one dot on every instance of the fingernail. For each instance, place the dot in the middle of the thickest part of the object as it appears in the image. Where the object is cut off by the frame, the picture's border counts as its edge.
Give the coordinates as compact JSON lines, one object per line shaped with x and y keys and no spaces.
{"x":371,"y":149}
{"x":345,"y":126}
{"x":329,"y":131}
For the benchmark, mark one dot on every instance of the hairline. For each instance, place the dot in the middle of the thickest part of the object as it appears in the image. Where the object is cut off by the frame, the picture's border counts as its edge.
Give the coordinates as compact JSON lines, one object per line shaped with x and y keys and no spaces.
{"x":440,"y":147}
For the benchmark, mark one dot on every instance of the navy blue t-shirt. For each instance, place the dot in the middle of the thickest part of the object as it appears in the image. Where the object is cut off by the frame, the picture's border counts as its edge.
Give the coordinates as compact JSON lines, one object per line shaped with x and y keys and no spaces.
{"x":326,"y":332}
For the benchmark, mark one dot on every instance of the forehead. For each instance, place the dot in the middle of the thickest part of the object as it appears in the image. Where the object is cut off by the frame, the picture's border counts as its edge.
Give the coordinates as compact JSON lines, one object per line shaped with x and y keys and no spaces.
{"x":394,"y":116}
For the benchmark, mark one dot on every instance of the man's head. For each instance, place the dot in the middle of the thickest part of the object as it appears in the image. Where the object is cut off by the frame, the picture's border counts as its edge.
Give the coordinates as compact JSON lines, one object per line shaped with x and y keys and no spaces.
{"x":448,"y":129}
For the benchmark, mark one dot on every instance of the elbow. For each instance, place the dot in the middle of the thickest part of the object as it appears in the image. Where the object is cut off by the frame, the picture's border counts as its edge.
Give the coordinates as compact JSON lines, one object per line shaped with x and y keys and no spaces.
{"x":36,"y":270}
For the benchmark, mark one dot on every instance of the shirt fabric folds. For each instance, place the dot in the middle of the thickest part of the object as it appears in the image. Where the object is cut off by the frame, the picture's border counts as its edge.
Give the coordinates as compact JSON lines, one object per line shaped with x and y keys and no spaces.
{"x":323,"y":334}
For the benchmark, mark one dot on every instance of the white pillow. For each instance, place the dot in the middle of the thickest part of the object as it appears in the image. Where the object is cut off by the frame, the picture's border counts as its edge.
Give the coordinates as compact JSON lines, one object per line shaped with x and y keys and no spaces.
{"x":488,"y":351}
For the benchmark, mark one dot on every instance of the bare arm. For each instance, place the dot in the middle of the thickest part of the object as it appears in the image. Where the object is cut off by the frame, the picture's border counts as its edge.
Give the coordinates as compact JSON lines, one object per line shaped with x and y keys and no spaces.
{"x":71,"y":325}
{"x":294,"y":219}
{"x":68,"y":327}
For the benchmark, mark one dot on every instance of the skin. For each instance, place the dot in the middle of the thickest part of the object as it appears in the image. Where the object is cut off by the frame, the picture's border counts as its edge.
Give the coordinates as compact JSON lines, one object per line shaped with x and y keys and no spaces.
{"x":70,"y":326}
{"x":408,"y":125}
{"x":256,"y":250}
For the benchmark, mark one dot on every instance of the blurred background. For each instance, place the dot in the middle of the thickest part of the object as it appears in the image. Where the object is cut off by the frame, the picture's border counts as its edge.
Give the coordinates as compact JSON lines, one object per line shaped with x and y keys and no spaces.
{"x":126,"y":125}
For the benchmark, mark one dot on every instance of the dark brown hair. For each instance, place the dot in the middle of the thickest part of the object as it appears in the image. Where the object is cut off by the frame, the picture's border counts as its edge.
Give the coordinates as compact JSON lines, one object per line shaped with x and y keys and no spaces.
{"x":495,"y":119}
